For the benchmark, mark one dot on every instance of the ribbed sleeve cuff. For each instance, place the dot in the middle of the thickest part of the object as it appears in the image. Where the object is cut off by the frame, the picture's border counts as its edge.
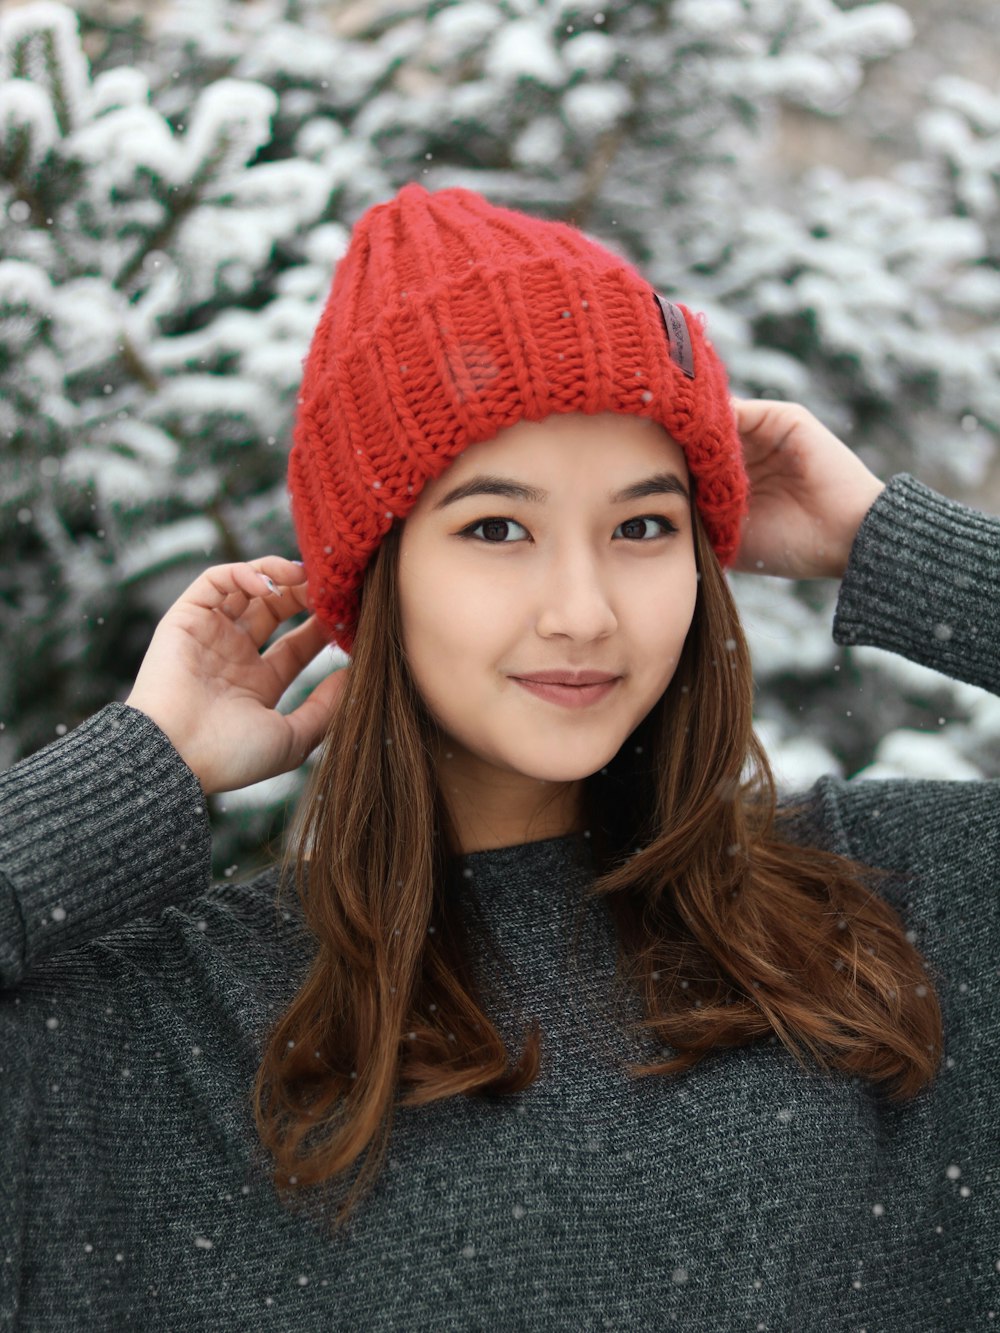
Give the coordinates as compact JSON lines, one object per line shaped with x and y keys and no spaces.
{"x":106,"y":825}
{"x":923,"y":580}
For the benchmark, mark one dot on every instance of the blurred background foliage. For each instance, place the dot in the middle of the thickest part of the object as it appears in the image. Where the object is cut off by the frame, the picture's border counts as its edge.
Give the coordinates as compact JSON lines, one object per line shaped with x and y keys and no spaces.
{"x":178,"y":181}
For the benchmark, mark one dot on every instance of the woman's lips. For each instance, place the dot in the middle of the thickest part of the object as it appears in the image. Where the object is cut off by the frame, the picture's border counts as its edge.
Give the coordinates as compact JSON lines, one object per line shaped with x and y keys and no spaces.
{"x":570,"y":696}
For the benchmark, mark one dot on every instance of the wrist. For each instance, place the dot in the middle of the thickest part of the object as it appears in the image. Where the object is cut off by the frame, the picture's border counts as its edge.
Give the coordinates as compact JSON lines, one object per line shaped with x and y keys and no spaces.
{"x":172,"y":731}
{"x":857,"y":514}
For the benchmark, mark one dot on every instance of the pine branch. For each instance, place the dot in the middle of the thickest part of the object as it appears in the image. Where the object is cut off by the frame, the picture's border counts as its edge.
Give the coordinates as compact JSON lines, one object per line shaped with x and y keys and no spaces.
{"x":160,"y":240}
{"x":39,"y":215}
{"x":596,"y":173}
{"x":136,"y":367}
{"x":232,"y":549}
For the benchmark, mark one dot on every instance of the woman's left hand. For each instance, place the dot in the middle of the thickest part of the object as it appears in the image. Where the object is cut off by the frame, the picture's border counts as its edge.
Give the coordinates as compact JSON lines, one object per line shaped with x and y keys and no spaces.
{"x":808,"y":492}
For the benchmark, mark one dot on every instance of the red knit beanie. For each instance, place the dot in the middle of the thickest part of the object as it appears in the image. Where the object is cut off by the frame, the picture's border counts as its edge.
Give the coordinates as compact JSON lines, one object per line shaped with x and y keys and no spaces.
{"x":449,"y":319}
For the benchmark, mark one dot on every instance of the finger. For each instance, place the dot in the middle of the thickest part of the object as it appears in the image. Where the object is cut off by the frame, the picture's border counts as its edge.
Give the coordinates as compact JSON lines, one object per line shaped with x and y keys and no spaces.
{"x":272,"y":605}
{"x":260,"y":620}
{"x":310,"y":720}
{"x":222,"y":585}
{"x":755,"y":420}
{"x":259,"y":615}
{"x":768,"y":420}
{"x":235,"y":605}
{"x":288,"y":592}
{"x":289,"y":656}
{"x":267,"y":576}
{"x":284,"y":573}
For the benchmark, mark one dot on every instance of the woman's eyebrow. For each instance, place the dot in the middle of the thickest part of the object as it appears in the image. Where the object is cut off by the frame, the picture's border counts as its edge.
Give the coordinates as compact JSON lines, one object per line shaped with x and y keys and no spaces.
{"x":661,"y":483}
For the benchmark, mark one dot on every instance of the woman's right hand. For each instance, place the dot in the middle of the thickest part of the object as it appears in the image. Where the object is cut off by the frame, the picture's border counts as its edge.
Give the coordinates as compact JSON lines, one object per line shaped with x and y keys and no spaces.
{"x":207,"y":685}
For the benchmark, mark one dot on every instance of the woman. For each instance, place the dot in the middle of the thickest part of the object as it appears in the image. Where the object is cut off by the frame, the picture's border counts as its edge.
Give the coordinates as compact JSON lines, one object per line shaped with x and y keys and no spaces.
{"x":570,"y":1027}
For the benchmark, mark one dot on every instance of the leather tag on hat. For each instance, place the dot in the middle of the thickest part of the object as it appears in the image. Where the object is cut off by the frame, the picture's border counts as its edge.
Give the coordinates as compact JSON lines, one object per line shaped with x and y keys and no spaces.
{"x":678,"y":338}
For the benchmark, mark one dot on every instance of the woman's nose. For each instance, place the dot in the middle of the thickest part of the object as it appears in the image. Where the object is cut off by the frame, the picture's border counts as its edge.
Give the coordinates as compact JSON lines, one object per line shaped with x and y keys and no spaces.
{"x":573,"y":600}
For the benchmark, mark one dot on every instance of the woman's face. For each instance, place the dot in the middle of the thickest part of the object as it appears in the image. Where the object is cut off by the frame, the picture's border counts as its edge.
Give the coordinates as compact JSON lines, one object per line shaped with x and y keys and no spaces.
{"x":495,"y":587}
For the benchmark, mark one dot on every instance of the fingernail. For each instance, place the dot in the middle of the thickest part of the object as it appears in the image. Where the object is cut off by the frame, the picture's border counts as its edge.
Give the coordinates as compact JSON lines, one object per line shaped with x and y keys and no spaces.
{"x":270,"y":583}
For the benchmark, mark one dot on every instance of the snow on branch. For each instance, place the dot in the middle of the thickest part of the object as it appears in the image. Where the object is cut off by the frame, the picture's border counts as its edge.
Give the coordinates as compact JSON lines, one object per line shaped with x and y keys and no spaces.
{"x":40,"y":42}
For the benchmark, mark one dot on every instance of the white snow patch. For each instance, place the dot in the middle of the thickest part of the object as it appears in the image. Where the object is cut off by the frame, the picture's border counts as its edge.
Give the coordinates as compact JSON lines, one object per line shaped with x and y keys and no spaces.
{"x":26,"y":299}
{"x":977,"y":104}
{"x":230,"y":121}
{"x":186,"y":539}
{"x":784,"y":634}
{"x":592,"y":53}
{"x":117,"y":88}
{"x":260,"y":795}
{"x":712,"y":18}
{"x":26,"y":109}
{"x":797,"y":761}
{"x":593,"y":108}
{"x":870,"y":32}
{"x":524,"y":50}
{"x":462,"y":28}
{"x":918,"y":754}
{"x":541,"y":144}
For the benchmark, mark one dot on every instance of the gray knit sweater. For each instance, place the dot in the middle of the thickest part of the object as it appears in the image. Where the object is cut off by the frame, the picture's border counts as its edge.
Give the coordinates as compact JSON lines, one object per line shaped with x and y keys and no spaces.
{"x":745,"y":1195}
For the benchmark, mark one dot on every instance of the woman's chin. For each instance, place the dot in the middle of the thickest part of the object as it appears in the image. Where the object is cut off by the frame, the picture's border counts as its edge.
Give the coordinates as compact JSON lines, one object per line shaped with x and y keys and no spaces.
{"x":562,"y":769}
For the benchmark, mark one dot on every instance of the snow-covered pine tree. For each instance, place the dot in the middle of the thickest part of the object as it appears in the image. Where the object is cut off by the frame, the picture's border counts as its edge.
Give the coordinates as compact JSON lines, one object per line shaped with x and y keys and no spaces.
{"x":150,"y":352}
{"x":174,"y":206}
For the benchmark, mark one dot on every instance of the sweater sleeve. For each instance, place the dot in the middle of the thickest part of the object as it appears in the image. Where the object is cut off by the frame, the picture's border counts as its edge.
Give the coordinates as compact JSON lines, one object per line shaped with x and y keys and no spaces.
{"x":103,"y":826}
{"x":923,"y":580}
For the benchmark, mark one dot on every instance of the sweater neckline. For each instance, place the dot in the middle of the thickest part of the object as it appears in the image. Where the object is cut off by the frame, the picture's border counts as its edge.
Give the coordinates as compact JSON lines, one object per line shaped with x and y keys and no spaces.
{"x":541,"y":849}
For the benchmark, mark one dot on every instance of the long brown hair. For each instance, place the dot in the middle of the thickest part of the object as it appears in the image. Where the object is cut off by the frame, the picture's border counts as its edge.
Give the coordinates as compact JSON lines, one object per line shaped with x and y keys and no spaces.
{"x":729,"y":931}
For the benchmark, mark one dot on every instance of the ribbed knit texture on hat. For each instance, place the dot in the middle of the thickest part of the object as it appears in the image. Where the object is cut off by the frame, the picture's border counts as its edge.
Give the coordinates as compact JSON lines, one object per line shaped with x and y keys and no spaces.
{"x":449,"y":319}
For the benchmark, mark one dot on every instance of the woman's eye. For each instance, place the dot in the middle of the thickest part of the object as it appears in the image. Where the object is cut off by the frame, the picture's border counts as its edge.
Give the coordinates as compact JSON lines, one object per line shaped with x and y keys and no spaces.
{"x":664,"y":523}
{"x":492,"y":524}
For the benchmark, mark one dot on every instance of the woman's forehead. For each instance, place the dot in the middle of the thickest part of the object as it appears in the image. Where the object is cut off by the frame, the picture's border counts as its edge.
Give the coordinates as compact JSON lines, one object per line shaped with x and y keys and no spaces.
{"x":608,"y":446}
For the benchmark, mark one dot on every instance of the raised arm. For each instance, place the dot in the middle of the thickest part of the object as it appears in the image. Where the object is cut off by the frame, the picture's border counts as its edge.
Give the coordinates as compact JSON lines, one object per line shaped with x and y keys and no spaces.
{"x":920,"y":573}
{"x":109,"y":823}
{"x":104,"y":825}
{"x":923,"y":581}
